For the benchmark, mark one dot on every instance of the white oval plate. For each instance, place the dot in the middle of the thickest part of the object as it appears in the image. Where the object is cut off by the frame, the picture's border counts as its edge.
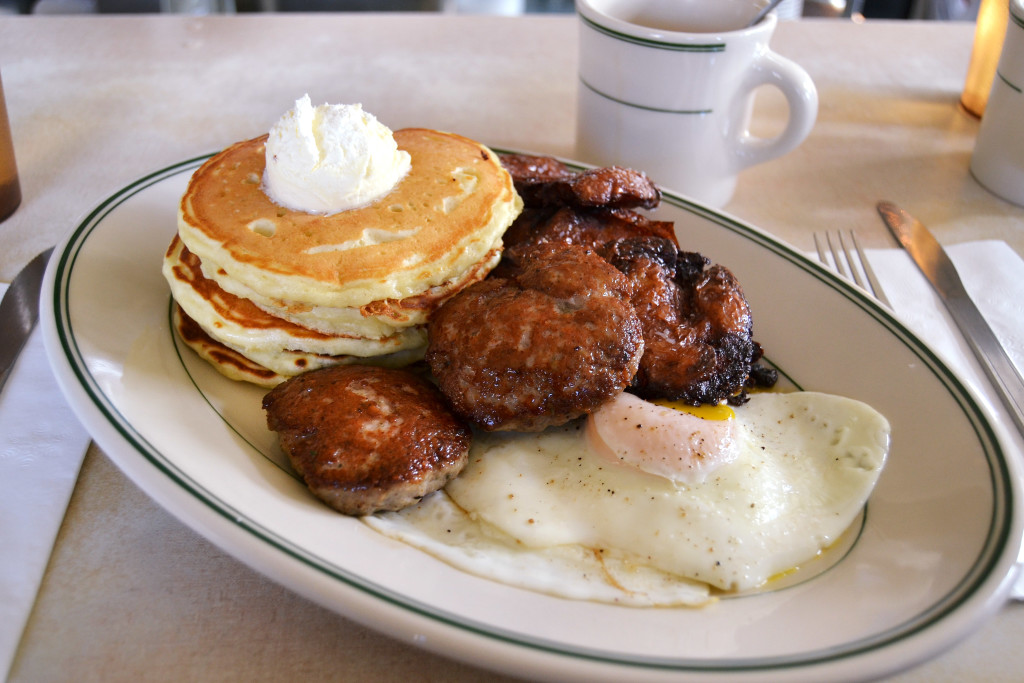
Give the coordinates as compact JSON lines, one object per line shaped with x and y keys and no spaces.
{"x":940,"y":537}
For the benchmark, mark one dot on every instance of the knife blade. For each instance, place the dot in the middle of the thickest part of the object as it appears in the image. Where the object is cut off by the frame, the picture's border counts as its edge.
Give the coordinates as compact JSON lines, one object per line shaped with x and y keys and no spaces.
{"x":933,"y":261}
{"x":19,"y":311}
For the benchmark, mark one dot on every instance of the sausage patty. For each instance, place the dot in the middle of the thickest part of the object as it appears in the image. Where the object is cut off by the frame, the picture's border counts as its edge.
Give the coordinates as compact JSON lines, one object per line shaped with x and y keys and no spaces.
{"x":547,"y":181}
{"x":366,"y":438}
{"x":696,"y":321}
{"x":552,"y":340}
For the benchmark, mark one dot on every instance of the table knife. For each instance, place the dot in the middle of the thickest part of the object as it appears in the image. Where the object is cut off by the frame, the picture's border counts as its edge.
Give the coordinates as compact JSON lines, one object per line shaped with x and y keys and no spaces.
{"x":933,"y":261}
{"x":42,"y":446}
{"x":19,"y":311}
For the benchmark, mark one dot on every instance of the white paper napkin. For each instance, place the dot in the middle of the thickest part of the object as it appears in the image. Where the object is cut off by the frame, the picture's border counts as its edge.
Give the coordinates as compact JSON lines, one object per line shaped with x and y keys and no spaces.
{"x":993,"y":275}
{"x":41,"y":449}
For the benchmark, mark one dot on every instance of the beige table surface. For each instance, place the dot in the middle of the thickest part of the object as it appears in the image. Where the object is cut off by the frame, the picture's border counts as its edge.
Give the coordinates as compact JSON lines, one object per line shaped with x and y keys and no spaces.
{"x":95,"y":102}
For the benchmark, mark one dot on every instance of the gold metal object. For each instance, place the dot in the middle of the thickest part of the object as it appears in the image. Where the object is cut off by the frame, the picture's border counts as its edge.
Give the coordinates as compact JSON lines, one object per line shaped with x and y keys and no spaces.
{"x":989,"y":34}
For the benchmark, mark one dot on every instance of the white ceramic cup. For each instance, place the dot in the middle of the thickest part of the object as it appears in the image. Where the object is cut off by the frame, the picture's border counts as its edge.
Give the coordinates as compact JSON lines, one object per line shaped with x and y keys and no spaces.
{"x":998,"y":159}
{"x":667,"y":87}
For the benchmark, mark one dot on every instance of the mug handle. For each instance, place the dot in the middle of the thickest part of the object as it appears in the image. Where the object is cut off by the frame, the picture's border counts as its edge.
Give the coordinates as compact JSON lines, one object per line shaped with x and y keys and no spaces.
{"x":796,"y":85}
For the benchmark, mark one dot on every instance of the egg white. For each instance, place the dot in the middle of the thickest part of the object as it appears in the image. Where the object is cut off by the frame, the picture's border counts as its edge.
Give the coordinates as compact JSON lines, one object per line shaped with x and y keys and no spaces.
{"x":546,"y":512}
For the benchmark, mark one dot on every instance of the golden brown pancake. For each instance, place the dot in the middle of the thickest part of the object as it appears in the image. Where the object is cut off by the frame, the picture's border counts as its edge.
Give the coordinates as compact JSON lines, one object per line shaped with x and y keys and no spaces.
{"x":264,"y":292}
{"x":245,"y":367}
{"x":228,"y":362}
{"x":239,"y":324}
{"x":445,"y":216}
{"x":372,"y":320}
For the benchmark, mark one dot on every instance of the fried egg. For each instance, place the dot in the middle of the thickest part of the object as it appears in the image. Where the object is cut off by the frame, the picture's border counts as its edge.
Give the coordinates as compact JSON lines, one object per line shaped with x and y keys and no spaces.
{"x":645,"y":504}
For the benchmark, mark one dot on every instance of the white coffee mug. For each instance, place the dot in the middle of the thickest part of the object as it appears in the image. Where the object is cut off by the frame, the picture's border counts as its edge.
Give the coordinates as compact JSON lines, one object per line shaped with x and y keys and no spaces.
{"x":998,"y":159}
{"x":667,"y":86}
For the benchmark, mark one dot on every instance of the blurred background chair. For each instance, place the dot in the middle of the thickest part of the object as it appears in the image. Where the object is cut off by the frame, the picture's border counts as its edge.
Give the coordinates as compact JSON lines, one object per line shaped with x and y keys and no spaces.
{"x":955,"y":10}
{"x":960,"y":10}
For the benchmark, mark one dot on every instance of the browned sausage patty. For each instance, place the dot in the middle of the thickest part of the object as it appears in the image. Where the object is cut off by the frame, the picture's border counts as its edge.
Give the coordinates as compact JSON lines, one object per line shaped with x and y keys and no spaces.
{"x":587,"y":227}
{"x":546,"y":181}
{"x":696,"y":321}
{"x":553,"y":340}
{"x":365,"y":438}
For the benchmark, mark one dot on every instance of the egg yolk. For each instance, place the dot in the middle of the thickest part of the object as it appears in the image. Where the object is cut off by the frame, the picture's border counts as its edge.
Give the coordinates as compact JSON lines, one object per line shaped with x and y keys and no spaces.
{"x":721,"y":411}
{"x":675,"y":441}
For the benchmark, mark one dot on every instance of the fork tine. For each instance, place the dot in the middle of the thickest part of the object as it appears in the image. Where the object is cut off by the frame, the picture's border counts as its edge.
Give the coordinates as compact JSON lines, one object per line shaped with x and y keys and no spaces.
{"x":854,"y":272}
{"x":821,"y":250}
{"x":869,"y":273}
{"x":838,"y":262}
{"x":855,"y":260}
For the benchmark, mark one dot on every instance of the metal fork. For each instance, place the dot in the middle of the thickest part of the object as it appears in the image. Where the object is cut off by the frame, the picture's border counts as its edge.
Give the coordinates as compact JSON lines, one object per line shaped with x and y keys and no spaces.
{"x":843,"y":261}
{"x":849,"y":261}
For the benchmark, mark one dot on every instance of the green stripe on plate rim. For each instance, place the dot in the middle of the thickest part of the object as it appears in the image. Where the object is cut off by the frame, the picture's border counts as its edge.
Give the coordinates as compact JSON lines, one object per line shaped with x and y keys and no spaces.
{"x":1016,"y":19}
{"x":685,"y":112}
{"x":656,"y":44}
{"x":996,"y":538}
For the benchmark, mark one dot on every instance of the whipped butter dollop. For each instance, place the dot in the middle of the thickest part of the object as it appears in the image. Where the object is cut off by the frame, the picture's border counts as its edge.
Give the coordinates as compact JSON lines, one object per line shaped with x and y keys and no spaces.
{"x":331,"y":158}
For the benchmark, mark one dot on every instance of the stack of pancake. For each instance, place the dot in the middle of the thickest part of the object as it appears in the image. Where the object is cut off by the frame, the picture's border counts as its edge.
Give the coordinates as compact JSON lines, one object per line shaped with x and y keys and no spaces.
{"x":265,"y":293}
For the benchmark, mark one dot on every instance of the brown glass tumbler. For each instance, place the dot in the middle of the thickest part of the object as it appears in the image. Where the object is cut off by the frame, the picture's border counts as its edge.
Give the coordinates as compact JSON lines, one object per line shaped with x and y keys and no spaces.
{"x":10,"y":188}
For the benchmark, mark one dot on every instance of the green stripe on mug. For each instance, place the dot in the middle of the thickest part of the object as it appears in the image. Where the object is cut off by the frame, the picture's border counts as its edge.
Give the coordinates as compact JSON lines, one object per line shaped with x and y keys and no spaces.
{"x":1005,"y":80}
{"x":640,"y":106}
{"x":656,"y":44}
